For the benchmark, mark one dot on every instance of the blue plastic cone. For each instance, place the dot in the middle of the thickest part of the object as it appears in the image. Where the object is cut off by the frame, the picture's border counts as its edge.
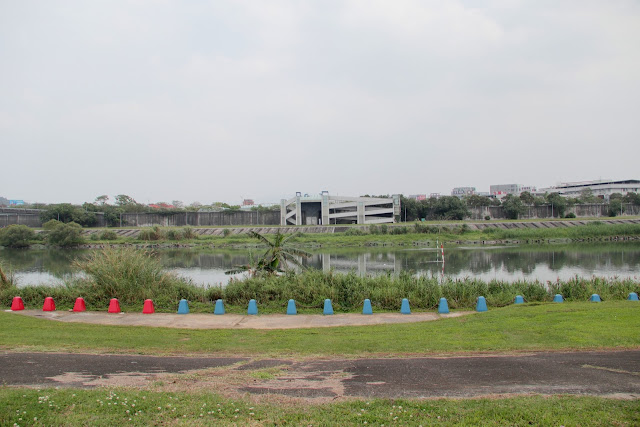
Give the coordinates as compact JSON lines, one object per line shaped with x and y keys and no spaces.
{"x":183,"y":307}
{"x":366,"y":307}
{"x":328,"y":309}
{"x":519,"y":300}
{"x":253,"y":307}
{"x":291,"y":307}
{"x":404,"y":307}
{"x":595,"y":298}
{"x":219,"y":307}
{"x":558,"y":298}
{"x":443,"y":306}
{"x":481,"y":305}
{"x":633,"y":296}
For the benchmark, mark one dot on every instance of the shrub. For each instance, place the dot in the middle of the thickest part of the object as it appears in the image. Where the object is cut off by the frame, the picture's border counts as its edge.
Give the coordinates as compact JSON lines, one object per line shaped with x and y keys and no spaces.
{"x":51,"y":224}
{"x":188,"y":233}
{"x":154,"y":233}
{"x":373,"y":229}
{"x":16,"y":236}
{"x":226,"y":232}
{"x":108,"y":235}
{"x":354,"y":231}
{"x":66,"y":235}
{"x":400,"y":230}
{"x":487,"y":217}
{"x":94,"y":236}
{"x":384,"y":229}
{"x":174,"y":235}
{"x":570,"y":215}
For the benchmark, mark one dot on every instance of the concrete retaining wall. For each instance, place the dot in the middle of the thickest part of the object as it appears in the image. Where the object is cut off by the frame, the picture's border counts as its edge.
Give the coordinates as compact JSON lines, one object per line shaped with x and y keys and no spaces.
{"x":30,"y":220}
{"x":201,"y":219}
{"x":546,"y":211}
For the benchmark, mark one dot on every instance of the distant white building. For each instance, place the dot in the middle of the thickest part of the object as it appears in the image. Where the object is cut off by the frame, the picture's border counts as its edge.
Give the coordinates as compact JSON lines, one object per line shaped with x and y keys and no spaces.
{"x":463,"y":191}
{"x":501,"y":190}
{"x":323,"y":209}
{"x":601,"y":188}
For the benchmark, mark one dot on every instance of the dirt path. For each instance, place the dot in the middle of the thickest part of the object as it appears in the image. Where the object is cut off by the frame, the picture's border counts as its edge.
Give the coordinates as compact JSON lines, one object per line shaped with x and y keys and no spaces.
{"x":235,"y":321}
{"x":613,"y":374}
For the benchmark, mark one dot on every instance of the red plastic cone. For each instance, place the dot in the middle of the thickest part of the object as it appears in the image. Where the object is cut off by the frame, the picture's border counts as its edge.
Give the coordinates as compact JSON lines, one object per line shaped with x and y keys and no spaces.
{"x":148,"y":307}
{"x":114,"y":306}
{"x":49,"y":304}
{"x":17,"y":304}
{"x":79,"y":305}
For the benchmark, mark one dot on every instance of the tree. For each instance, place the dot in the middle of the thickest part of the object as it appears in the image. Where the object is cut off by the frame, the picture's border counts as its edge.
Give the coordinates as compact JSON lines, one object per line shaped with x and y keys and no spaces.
{"x":124,"y":200}
{"x":527,"y":198}
{"x":16,"y":236}
{"x":102,"y":200}
{"x":66,"y":212}
{"x":450,"y":207}
{"x":512,"y":206}
{"x":615,"y":207}
{"x":177,"y":204}
{"x":557,"y":202}
{"x":474,"y":201}
{"x":409,"y":209}
{"x":586,"y":196}
{"x":633,"y":198}
{"x":277,"y":257}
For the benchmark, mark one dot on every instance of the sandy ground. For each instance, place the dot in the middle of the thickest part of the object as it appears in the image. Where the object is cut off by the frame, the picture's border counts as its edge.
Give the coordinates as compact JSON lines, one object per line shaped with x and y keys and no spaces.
{"x":235,"y":321}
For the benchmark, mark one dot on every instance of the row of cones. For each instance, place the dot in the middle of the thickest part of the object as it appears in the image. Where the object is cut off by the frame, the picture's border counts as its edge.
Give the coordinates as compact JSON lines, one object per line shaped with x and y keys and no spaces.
{"x":49,"y":305}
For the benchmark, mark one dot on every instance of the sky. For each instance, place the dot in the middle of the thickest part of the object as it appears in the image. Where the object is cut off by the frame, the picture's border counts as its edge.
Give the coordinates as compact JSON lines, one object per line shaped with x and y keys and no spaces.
{"x":223,"y":100}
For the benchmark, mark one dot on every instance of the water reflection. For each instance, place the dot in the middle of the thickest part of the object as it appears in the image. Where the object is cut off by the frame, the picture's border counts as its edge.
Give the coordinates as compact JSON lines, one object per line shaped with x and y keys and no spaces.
{"x":206,"y":267}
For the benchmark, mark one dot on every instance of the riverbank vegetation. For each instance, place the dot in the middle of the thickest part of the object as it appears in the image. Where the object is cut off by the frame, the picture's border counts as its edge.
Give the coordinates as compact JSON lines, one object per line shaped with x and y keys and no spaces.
{"x":69,"y":235}
{"x":133,"y":275}
{"x":27,"y":406}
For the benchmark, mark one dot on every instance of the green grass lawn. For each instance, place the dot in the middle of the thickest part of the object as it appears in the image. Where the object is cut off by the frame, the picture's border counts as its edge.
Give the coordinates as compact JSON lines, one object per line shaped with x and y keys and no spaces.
{"x":568,"y":326}
{"x":107,"y":407}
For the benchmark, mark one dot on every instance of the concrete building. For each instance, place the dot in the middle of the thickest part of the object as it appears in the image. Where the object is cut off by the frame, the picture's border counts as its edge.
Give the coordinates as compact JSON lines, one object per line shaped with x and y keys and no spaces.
{"x":463,"y":191}
{"x":323,"y":209}
{"x":501,"y":190}
{"x":600,"y":188}
{"x":417,"y":197}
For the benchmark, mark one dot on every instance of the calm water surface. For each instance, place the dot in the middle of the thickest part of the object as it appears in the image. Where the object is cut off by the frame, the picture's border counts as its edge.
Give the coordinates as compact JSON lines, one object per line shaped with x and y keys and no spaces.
{"x":206,"y":267}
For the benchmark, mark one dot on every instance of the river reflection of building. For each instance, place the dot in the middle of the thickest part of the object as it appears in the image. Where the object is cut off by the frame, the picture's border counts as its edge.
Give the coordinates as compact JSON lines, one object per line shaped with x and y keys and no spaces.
{"x":361,"y":264}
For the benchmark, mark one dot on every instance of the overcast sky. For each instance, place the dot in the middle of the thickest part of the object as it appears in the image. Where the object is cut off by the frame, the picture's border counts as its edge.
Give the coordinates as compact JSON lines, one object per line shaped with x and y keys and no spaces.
{"x":219,"y":100}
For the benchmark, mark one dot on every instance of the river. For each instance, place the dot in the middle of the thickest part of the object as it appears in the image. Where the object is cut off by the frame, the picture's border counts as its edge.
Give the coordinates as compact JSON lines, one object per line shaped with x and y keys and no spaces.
{"x":206,"y":267}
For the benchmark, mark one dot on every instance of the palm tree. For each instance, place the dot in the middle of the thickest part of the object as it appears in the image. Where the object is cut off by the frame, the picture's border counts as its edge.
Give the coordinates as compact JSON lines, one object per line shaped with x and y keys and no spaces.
{"x":276,"y":258}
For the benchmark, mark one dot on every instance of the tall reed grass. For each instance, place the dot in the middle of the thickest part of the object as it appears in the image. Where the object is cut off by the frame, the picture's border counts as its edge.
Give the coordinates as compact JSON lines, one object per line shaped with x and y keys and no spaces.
{"x":132,"y":276}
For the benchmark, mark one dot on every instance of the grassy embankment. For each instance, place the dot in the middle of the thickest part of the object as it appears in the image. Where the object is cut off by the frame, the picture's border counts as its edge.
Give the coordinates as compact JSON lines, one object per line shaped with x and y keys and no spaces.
{"x":107,"y":407}
{"x":528,"y":327}
{"x":403,"y":235}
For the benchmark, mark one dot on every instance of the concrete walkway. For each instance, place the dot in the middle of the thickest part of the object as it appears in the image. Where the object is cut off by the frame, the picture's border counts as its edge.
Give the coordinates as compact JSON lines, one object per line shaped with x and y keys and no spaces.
{"x":598,"y":373}
{"x":235,"y":321}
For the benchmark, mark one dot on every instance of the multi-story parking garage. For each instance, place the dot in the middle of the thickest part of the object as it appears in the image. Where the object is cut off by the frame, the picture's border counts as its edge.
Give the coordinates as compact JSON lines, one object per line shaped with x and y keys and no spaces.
{"x":323,"y":209}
